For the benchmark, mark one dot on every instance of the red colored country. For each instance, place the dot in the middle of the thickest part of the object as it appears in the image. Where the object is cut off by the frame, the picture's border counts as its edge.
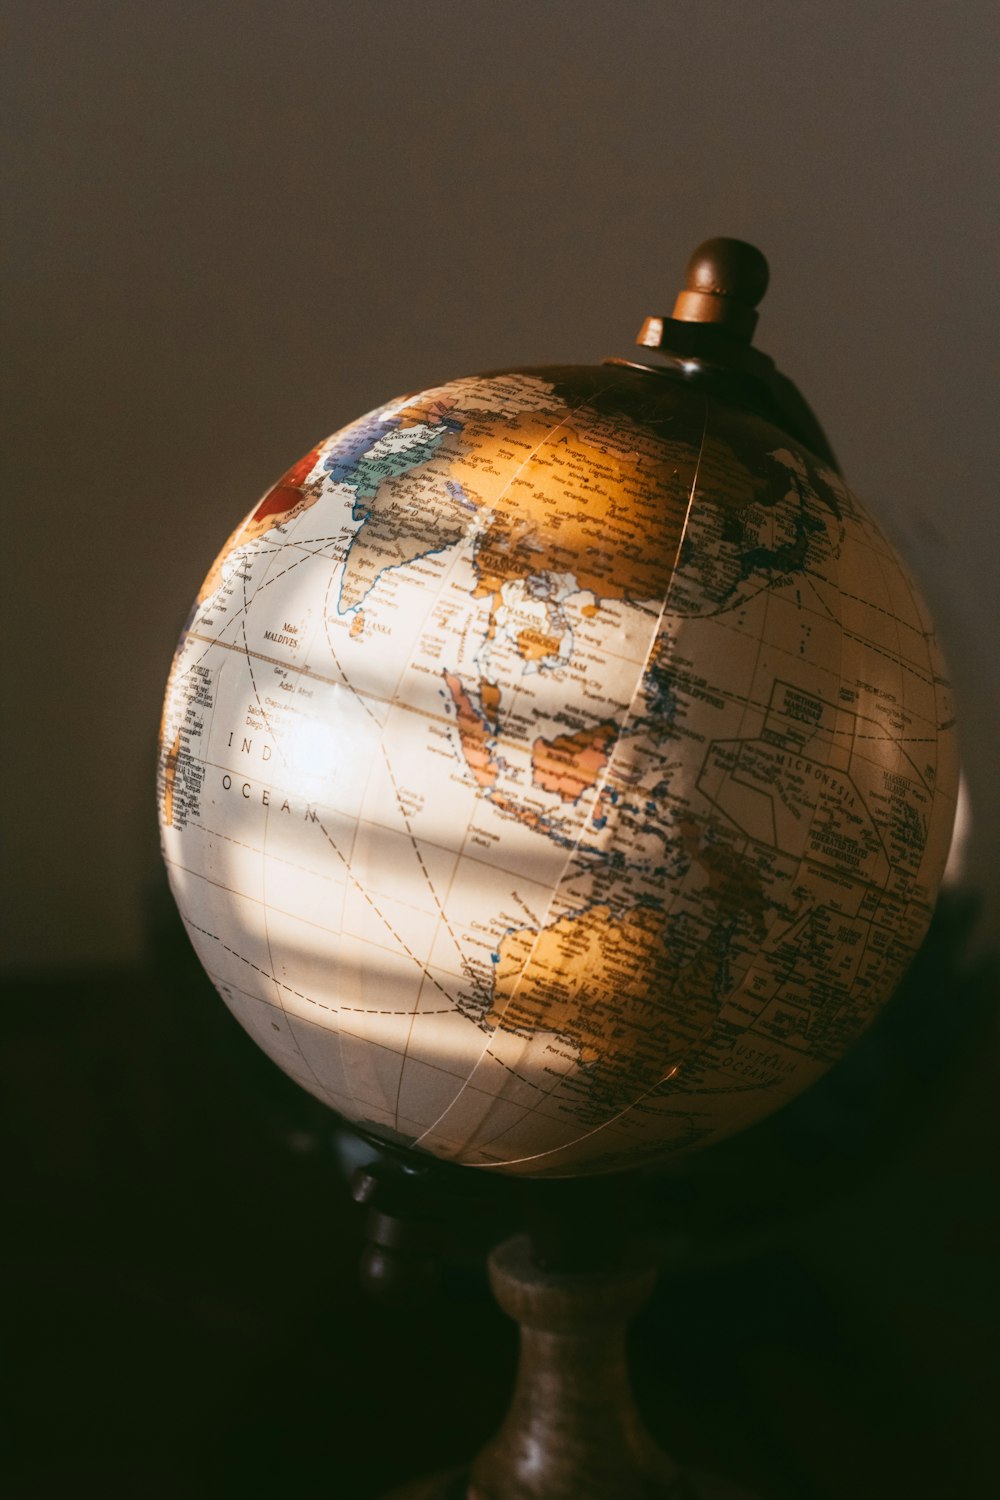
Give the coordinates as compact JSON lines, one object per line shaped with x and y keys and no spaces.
{"x":288,"y":490}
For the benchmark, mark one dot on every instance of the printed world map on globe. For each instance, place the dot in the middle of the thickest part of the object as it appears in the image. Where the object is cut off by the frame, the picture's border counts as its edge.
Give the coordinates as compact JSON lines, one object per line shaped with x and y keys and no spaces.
{"x":556,"y":775}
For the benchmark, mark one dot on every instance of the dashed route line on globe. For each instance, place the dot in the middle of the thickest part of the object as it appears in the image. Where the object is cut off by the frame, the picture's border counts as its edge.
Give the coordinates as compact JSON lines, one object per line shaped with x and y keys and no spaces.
{"x":602,"y":780}
{"x":196,"y":927}
{"x":361,"y":698}
{"x":223,"y":981}
{"x":361,"y":1010}
{"x":425,"y":971}
{"x":330,"y":840}
{"x":216,"y":833}
{"x":270,"y":786}
{"x":442,"y":913}
{"x":304,"y":1019}
{"x":885,"y":734}
{"x":511,"y":480}
{"x":852,"y":635}
{"x":267,"y":815}
{"x":394,"y":702}
{"x":519,"y":1076}
{"x":366,"y":697}
{"x":239,"y":570}
{"x":368,"y":1010}
{"x":870,"y":604}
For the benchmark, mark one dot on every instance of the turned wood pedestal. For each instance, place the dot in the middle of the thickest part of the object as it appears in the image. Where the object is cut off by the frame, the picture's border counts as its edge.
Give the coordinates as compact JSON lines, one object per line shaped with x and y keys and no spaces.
{"x":572,"y":1431}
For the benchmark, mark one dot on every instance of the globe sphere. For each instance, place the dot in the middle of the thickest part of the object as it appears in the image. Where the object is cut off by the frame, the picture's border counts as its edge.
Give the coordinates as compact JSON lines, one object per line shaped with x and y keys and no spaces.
{"x":556,"y":770}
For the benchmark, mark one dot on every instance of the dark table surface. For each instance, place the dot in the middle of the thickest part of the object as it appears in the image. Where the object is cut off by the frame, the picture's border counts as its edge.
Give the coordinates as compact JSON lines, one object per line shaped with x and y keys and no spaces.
{"x":184,"y":1315}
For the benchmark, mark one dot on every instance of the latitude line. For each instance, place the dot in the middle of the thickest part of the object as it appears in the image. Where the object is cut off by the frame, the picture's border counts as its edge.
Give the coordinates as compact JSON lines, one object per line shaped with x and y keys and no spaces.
{"x":461,"y":852}
{"x":603,"y":778}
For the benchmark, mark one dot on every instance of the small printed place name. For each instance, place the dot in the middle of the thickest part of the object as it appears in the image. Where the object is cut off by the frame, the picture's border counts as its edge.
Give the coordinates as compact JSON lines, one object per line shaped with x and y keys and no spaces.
{"x":251,"y":793}
{"x":288,"y":635}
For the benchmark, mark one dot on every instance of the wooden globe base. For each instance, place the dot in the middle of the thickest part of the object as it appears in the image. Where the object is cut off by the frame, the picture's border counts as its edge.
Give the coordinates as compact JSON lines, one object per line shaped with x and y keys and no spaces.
{"x":572,"y":1431}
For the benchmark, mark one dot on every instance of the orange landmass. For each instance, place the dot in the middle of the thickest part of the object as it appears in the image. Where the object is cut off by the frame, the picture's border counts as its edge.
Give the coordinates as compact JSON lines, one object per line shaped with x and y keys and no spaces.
{"x":473,"y":733}
{"x":569,"y":763}
{"x":573,"y":492}
{"x":524,"y":815}
{"x":489,"y":697}
{"x":571,"y":497}
{"x":610,"y":987}
{"x":422,"y":410}
{"x":287,"y":493}
{"x":358,"y":623}
{"x":169,"y":779}
{"x":289,"y":496}
{"x":533,"y":645}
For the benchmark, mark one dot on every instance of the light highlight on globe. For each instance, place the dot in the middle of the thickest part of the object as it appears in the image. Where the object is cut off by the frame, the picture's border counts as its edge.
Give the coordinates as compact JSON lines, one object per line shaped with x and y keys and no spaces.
{"x":556,"y":770}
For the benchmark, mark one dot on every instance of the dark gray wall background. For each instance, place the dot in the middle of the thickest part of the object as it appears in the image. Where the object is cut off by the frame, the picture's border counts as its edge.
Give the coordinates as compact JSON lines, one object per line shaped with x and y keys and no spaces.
{"x":234,"y":226}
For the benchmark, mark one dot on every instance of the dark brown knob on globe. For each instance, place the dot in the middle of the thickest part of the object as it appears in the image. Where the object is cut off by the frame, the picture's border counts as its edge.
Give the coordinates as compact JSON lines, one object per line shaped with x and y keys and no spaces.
{"x":725,"y":281}
{"x":715,"y":315}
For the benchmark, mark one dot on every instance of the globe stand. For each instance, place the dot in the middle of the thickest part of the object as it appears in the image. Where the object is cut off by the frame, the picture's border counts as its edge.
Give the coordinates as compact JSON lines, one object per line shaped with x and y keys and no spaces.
{"x":572,"y":1431}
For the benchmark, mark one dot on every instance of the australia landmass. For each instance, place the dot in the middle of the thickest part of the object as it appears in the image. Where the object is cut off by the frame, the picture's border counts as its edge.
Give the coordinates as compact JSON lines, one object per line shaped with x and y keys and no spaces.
{"x":632,"y":992}
{"x":609,"y":986}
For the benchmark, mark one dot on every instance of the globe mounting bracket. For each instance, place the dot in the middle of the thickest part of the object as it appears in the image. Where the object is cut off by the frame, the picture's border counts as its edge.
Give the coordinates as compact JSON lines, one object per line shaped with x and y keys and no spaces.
{"x":706,"y":341}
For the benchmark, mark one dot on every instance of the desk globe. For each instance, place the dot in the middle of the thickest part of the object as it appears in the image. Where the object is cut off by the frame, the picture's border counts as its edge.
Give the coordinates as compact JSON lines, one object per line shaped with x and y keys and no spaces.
{"x":556,"y":767}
